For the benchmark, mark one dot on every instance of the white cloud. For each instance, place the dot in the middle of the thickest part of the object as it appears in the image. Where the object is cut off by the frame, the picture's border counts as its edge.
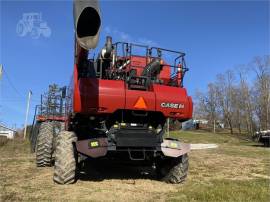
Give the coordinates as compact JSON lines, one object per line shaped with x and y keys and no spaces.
{"x":125,"y":37}
{"x":147,"y":42}
{"x":107,"y":29}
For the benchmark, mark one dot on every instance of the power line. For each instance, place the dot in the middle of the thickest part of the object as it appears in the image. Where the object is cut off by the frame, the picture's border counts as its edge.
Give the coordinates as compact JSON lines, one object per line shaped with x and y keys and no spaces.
{"x":17,"y":101}
{"x":11,"y":84}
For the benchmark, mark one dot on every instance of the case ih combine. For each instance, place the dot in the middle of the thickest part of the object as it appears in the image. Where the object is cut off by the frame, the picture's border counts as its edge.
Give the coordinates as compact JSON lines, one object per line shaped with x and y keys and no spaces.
{"x":118,"y":103}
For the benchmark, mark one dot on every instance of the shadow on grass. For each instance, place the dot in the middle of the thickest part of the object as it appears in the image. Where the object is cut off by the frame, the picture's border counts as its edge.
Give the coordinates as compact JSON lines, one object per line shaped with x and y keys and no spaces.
{"x":93,"y":170}
{"x":259,"y":145}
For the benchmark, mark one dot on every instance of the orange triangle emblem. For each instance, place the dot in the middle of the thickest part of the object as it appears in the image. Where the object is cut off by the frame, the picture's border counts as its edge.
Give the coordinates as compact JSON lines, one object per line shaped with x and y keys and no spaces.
{"x":140,"y":104}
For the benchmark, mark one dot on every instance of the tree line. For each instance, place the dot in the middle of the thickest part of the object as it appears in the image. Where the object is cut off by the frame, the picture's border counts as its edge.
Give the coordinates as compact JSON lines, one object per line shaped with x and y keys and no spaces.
{"x":239,"y":98}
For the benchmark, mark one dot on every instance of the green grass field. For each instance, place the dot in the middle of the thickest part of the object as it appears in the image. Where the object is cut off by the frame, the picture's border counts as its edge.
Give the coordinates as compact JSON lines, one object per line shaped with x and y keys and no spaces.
{"x":235,"y":171}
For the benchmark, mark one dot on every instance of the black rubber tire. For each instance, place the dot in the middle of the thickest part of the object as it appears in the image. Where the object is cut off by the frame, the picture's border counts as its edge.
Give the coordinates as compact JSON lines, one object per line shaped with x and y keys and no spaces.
{"x":58,"y":127}
{"x":173,"y":170}
{"x":62,"y":126}
{"x":44,"y":145}
{"x":33,"y":136}
{"x":65,"y":158}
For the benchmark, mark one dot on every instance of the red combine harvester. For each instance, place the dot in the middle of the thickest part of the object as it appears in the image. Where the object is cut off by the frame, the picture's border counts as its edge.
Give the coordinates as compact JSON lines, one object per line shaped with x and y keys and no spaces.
{"x":118,"y":104}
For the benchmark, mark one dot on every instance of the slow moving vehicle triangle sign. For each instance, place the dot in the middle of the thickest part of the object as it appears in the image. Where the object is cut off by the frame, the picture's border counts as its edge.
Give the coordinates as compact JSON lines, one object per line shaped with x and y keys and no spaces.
{"x":140,"y":104}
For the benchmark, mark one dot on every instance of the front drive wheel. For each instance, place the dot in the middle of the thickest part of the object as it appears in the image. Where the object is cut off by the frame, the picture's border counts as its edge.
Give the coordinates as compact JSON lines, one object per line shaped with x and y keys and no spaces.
{"x":65,"y":158}
{"x":173,"y":170}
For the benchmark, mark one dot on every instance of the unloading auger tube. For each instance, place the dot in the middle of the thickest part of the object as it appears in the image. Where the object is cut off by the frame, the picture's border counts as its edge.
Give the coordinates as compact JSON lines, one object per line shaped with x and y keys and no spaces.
{"x":87,"y":23}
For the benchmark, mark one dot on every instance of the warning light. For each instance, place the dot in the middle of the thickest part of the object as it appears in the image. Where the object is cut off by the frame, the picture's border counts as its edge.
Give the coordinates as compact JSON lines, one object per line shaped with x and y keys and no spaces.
{"x":140,"y":104}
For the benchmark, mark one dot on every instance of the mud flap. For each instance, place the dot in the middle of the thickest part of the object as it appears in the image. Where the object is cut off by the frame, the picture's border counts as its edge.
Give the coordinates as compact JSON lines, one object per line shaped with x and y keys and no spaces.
{"x":93,"y":147}
{"x":174,"y":148}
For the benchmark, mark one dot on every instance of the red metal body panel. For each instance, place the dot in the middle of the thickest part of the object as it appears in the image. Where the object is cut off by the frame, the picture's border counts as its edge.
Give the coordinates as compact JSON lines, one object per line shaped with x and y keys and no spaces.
{"x":76,"y":92}
{"x":175,"y":95}
{"x":42,"y":118}
{"x":111,"y":95}
{"x":98,"y":96}
{"x":106,"y":96}
{"x":132,"y":97}
{"x":165,"y":74}
{"x":138,"y":63}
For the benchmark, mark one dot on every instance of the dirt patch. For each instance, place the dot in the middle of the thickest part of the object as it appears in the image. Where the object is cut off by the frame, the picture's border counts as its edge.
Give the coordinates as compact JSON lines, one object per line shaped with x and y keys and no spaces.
{"x":203,"y":146}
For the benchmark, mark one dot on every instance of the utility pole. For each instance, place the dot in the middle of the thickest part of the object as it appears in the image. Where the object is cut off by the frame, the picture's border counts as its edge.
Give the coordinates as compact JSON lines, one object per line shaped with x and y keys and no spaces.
{"x":27,"y":113}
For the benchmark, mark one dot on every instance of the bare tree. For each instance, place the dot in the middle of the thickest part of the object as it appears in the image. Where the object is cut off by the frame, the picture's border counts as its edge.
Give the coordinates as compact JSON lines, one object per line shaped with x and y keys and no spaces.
{"x":200,"y":111}
{"x":241,"y":103}
{"x":261,"y":66}
{"x":207,"y":104}
{"x":225,"y":94}
{"x":236,"y":103}
{"x":245,"y":99}
{"x":212,"y":104}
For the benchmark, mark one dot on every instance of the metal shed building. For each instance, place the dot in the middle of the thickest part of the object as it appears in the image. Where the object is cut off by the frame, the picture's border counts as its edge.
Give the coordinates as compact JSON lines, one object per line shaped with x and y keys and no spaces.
{"x":6,"y":131}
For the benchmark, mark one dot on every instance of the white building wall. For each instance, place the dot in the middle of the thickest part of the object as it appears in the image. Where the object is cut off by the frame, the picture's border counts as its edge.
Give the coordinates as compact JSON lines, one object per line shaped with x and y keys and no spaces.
{"x":8,"y":134}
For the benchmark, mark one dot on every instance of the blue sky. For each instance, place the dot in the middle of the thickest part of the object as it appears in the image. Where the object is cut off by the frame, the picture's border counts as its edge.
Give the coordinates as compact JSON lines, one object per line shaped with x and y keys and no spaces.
{"x":215,"y":35}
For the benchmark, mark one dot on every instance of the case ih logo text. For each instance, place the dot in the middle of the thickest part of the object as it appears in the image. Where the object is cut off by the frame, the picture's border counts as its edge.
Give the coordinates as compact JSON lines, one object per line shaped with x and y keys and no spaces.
{"x":172,"y":105}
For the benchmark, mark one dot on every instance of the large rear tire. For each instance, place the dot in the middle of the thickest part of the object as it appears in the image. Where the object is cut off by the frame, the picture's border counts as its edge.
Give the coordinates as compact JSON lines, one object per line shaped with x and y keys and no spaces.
{"x":33,"y":136}
{"x":65,"y":158}
{"x":44,"y":145}
{"x":58,"y":126}
{"x":173,"y":170}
